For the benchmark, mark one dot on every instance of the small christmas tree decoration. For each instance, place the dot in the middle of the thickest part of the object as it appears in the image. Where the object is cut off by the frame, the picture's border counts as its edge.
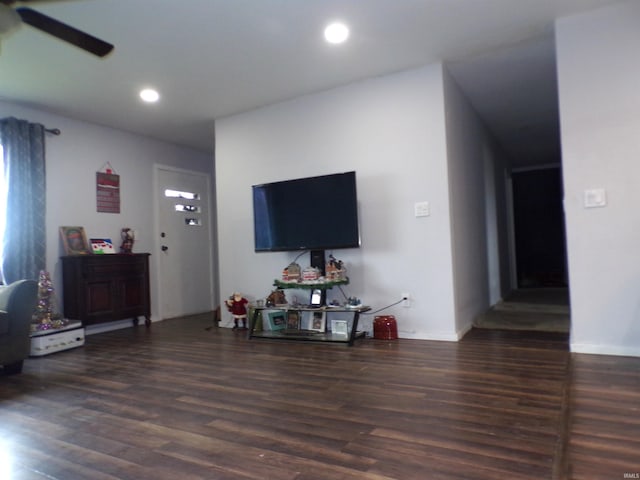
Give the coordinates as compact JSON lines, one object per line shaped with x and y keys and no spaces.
{"x":44,"y":317}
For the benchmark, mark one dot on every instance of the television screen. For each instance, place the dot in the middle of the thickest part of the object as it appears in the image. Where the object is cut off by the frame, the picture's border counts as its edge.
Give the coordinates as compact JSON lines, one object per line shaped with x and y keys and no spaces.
{"x":314,"y":213}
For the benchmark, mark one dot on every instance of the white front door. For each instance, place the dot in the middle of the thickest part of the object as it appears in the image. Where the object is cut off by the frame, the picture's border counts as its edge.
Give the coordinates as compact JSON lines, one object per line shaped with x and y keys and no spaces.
{"x":184,"y":246}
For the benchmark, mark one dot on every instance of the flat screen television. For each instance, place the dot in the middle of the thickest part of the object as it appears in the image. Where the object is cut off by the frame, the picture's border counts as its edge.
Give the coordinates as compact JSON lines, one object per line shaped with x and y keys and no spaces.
{"x":314,"y":213}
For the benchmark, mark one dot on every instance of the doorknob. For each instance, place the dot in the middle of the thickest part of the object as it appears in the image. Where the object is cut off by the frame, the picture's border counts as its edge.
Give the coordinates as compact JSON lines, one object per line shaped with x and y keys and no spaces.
{"x":164,"y":248}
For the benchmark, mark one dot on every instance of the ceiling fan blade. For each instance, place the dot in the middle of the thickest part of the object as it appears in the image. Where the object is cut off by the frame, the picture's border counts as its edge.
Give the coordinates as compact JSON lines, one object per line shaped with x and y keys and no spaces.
{"x":11,"y":2}
{"x":64,"y":32}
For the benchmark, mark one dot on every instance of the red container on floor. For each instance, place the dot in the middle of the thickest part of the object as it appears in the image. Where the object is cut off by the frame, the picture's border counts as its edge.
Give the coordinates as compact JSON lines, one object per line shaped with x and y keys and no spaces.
{"x":385,"y":327}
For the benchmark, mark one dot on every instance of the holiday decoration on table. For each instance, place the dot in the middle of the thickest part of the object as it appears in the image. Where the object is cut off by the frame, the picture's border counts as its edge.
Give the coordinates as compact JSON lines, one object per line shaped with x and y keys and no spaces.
{"x":237,"y":305}
{"x":310,"y":274}
{"x":335,"y":270}
{"x":276,"y":297}
{"x":44,"y":317}
{"x":291,"y":273}
{"x":128,"y":238}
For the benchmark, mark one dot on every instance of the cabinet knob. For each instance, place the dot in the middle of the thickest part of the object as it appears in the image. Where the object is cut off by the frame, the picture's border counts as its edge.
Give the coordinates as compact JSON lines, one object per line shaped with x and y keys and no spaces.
{"x":164,"y":248}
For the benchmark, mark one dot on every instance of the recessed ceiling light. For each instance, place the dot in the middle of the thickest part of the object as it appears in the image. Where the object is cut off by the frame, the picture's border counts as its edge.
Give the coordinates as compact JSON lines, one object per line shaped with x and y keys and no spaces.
{"x":336,"y":32}
{"x":149,"y":95}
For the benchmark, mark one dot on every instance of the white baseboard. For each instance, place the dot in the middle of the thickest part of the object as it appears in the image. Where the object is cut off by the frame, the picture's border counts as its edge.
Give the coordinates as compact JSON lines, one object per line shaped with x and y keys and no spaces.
{"x":109,"y":326}
{"x":605,"y":350}
{"x":463,"y":331}
{"x":443,"y":337}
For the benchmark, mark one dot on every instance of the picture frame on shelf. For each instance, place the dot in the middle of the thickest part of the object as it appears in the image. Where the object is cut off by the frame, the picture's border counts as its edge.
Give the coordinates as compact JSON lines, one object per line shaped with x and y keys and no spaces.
{"x":277,"y":320}
{"x":293,"y":320}
{"x":74,"y":241}
{"x":318,"y":321}
{"x":340,"y":327}
{"x":101,"y":246}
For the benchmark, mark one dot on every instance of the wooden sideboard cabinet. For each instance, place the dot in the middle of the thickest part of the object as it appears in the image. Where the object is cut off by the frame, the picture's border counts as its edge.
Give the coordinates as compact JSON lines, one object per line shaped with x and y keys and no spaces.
{"x":104,"y":288}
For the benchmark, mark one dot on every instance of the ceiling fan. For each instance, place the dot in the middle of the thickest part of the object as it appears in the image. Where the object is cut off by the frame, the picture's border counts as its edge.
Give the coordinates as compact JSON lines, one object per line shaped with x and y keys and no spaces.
{"x":11,"y":18}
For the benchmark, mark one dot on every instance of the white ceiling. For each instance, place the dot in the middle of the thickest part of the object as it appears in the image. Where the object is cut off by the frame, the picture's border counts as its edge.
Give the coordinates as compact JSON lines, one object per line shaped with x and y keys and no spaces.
{"x":213,"y":58}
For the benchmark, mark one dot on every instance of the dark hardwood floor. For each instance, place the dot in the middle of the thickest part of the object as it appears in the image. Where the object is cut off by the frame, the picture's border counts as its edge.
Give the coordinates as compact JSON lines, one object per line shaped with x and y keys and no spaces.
{"x":605,"y":418}
{"x":181,"y":402}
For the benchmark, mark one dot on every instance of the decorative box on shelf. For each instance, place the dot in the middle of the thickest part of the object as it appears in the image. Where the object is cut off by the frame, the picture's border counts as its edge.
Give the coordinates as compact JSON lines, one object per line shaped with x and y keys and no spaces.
{"x":44,"y":342}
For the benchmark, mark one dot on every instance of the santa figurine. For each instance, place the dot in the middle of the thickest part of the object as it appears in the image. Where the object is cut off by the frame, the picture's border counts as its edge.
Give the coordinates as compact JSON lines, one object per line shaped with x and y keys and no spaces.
{"x":236,"y":304}
{"x":128,"y":237}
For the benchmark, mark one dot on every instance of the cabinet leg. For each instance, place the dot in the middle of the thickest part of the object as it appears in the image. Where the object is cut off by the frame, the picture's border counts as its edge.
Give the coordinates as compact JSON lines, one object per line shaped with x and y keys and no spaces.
{"x":147,"y":321}
{"x":252,"y":322}
{"x":354,"y":328}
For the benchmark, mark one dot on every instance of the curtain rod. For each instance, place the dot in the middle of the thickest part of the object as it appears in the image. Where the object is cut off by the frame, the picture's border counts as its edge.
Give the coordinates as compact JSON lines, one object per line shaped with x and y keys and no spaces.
{"x":53,"y":131}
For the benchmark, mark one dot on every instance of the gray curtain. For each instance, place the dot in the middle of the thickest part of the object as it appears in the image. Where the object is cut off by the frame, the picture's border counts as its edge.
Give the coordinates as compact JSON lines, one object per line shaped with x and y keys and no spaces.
{"x":24,"y":164}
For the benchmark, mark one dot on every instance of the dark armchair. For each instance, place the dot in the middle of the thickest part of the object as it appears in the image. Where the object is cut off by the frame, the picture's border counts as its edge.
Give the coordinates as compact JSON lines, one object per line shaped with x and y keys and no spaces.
{"x":17,"y":304}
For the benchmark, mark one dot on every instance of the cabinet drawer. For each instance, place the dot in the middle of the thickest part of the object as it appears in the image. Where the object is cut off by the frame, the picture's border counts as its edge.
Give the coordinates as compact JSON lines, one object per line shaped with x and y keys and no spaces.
{"x":94,"y":269}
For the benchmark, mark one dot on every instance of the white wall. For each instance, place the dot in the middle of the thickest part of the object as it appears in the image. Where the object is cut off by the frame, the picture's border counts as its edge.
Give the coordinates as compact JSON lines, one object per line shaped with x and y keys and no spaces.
{"x":391,"y":131}
{"x":599,"y":78}
{"x":498,"y":253}
{"x":72,"y":161}
{"x":471,"y":158}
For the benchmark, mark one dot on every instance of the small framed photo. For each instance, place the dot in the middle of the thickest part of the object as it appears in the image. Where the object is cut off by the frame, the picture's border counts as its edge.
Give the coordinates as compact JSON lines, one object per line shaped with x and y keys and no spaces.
{"x":277,"y":320}
{"x":318,"y":321}
{"x":340,"y":322}
{"x":339,"y":327}
{"x":293,"y":320}
{"x":74,"y":241}
{"x":102,"y":245}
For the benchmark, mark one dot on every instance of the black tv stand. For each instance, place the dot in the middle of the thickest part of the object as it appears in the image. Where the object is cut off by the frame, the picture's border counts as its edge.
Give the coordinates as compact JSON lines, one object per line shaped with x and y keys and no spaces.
{"x":308,"y":335}
{"x":318,"y":261}
{"x":347,"y":337}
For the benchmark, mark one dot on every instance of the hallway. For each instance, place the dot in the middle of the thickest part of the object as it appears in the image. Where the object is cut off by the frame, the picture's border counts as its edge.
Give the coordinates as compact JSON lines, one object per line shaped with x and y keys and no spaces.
{"x":530,"y":309}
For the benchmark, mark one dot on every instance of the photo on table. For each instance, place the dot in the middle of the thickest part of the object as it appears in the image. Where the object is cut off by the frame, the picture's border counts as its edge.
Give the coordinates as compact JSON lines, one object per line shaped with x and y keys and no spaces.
{"x":293,"y":320}
{"x":318,"y":320}
{"x":277,"y":320}
{"x":74,"y":241}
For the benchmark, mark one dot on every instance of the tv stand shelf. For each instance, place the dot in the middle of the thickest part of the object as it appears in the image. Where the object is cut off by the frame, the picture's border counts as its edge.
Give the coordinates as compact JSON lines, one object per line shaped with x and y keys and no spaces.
{"x":309,"y":286}
{"x":308,"y":335}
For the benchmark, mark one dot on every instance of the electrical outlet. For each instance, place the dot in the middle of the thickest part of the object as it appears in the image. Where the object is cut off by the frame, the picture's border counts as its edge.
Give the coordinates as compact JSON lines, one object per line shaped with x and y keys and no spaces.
{"x":406,"y":299}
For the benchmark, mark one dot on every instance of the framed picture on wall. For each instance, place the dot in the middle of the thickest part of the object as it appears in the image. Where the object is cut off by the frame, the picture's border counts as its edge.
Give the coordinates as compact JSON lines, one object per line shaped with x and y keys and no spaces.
{"x":74,"y":241}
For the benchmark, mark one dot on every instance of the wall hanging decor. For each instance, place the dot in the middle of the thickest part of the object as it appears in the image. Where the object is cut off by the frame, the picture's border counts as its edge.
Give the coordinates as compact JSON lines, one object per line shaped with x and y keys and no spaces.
{"x":107,"y":190}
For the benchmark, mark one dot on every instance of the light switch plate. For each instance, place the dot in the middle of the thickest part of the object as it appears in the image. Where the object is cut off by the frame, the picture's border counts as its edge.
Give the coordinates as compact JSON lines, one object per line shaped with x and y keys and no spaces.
{"x":421,"y":209}
{"x":595,"y":197}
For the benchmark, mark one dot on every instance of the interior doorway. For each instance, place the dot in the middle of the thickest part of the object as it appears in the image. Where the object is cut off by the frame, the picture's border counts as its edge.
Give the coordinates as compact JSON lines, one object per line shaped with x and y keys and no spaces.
{"x":539,"y":228}
{"x":520,"y":107}
{"x":538,"y":297}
